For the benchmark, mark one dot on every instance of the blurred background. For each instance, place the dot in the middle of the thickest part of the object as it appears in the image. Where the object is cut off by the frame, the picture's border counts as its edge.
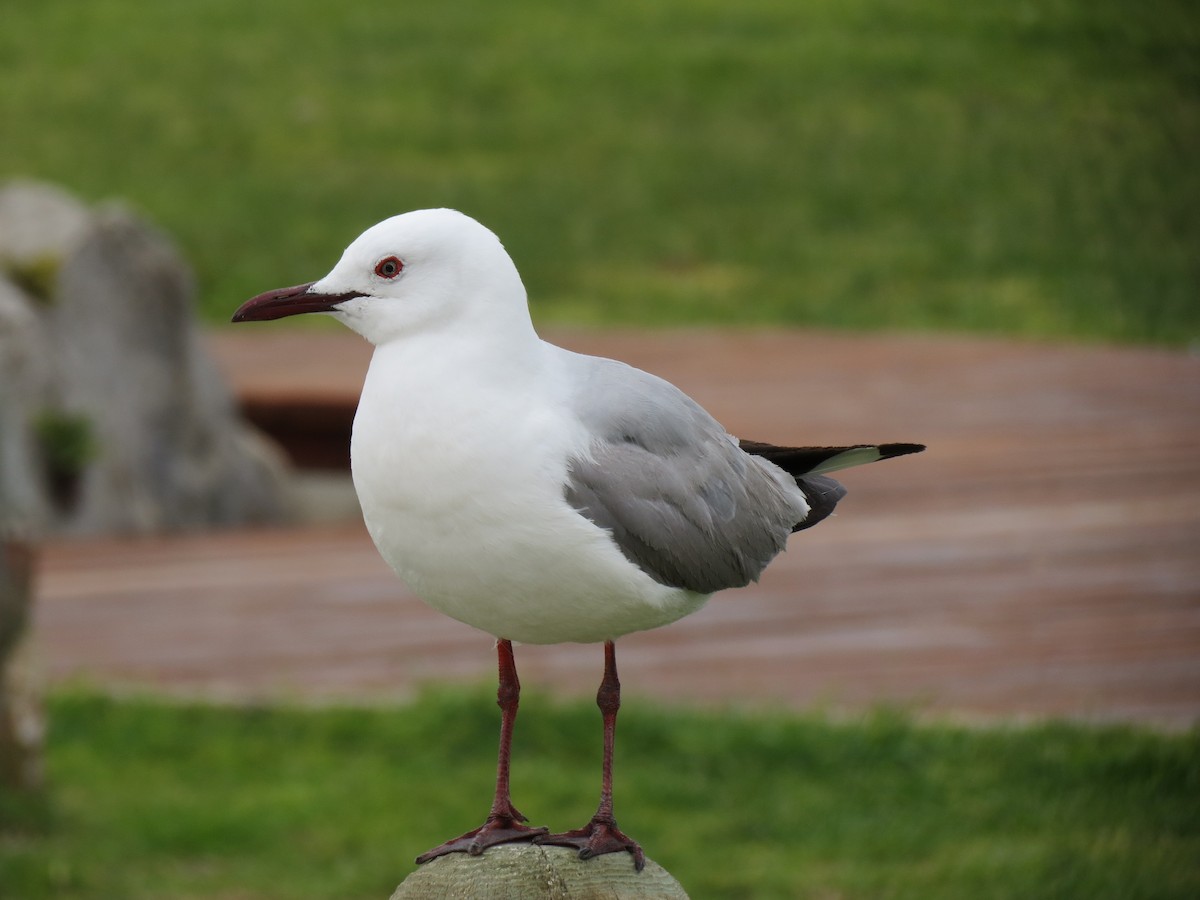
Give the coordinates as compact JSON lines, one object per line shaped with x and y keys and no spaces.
{"x":1023,"y":168}
{"x":973,"y":225}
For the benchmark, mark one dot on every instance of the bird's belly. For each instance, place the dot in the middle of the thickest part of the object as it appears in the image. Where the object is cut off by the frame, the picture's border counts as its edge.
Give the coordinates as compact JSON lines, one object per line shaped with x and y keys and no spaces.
{"x":497,"y":546}
{"x":540,"y":582}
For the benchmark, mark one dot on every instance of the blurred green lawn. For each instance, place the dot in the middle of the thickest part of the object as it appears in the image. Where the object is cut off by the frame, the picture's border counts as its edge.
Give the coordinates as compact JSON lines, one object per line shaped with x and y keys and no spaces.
{"x":168,"y":801}
{"x":1021,"y":167}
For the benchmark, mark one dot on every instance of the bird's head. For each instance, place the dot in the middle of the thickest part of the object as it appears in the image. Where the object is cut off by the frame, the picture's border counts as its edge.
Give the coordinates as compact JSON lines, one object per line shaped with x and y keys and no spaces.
{"x":412,"y":272}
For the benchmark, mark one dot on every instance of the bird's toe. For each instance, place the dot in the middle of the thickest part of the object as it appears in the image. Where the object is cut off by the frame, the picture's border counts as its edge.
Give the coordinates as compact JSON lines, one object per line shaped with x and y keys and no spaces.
{"x":598,"y":837}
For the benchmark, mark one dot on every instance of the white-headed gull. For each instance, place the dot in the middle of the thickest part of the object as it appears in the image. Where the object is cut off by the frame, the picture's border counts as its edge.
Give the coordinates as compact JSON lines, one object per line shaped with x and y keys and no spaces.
{"x":534,"y":493}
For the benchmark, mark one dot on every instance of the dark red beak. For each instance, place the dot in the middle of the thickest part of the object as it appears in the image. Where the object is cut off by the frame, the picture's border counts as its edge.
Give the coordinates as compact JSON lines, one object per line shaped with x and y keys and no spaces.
{"x":288,"y":301}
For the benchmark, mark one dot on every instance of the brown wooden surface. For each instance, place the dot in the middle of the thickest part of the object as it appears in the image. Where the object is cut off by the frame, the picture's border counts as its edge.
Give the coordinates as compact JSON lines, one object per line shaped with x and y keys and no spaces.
{"x":1042,"y":557}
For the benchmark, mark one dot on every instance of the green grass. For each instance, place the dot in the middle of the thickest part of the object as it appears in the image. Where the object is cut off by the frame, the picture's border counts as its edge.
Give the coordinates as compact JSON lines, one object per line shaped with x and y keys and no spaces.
{"x":1022,"y":167}
{"x":152,"y":799}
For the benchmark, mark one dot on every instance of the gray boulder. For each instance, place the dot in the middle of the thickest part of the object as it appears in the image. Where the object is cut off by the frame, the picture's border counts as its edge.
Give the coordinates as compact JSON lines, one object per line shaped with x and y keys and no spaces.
{"x":169,"y":450}
{"x":39,"y":223}
{"x":134,"y":427}
{"x":24,"y":391}
{"x":22,"y":387}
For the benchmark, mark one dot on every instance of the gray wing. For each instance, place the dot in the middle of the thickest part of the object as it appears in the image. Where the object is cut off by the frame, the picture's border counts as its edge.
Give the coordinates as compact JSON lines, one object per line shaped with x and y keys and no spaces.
{"x":681,"y":500}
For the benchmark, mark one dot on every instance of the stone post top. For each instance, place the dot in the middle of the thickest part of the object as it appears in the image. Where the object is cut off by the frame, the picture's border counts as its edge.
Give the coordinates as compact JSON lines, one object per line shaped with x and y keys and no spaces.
{"x":537,"y":872}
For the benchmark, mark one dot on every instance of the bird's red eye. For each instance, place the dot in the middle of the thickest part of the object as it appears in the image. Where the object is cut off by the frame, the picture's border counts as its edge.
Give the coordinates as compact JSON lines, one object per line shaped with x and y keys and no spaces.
{"x":388,"y":267}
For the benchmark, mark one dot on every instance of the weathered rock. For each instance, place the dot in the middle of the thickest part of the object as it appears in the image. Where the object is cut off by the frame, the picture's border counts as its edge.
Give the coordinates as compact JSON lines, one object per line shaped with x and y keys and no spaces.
{"x":39,"y":224}
{"x":22,"y":385}
{"x":121,"y":422}
{"x":169,"y":450}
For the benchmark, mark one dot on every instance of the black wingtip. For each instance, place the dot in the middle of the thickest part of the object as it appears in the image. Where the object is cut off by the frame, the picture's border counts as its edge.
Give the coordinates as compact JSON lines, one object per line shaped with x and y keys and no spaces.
{"x":888,"y":451}
{"x":802,"y":460}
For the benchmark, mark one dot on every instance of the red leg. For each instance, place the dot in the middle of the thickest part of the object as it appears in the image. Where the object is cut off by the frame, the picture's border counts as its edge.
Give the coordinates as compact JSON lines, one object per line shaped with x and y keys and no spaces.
{"x":601,"y":834}
{"x":503,"y":823}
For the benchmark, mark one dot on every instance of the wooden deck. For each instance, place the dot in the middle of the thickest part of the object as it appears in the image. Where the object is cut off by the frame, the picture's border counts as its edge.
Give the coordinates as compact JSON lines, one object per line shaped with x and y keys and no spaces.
{"x":1041,"y":558}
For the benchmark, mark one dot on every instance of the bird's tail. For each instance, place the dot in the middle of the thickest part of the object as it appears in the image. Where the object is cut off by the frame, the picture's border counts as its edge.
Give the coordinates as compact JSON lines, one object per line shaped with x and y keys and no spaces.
{"x":810,"y":467}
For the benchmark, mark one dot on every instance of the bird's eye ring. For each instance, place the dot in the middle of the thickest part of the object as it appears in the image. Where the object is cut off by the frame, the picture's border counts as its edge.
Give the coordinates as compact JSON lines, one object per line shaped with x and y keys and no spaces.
{"x":389,"y":267}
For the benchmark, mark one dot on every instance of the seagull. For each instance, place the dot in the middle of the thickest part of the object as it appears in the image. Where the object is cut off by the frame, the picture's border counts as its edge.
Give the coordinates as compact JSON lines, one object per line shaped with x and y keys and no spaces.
{"x":540,"y":495}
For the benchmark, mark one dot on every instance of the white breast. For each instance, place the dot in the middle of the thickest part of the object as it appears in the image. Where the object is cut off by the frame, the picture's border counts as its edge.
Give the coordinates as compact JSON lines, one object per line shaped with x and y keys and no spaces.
{"x":460,"y":474}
